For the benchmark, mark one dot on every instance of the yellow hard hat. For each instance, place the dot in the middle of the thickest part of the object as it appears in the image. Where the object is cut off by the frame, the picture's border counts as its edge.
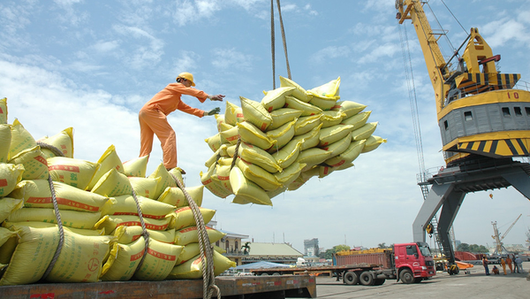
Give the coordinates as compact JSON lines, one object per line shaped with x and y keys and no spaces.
{"x":187,"y":76}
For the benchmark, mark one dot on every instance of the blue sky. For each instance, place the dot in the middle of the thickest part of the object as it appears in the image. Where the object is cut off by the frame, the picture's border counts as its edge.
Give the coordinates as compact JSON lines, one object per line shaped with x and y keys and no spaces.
{"x":91,"y":65}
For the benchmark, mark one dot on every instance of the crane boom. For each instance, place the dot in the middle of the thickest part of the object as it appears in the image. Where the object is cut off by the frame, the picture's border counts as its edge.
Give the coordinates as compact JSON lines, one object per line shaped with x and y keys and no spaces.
{"x":509,"y":228}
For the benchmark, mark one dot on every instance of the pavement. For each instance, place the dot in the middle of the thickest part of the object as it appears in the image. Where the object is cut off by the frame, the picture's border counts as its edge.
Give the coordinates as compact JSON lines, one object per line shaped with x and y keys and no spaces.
{"x":473,"y":285}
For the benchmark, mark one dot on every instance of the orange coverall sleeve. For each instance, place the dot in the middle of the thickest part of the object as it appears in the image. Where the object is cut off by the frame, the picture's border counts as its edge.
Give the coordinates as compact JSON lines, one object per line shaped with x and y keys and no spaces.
{"x":190,"y":110}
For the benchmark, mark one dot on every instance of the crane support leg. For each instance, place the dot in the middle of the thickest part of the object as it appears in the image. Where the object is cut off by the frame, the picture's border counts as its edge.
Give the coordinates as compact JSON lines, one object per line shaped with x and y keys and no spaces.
{"x":520,"y":181}
{"x":453,"y":201}
{"x":430,"y":206}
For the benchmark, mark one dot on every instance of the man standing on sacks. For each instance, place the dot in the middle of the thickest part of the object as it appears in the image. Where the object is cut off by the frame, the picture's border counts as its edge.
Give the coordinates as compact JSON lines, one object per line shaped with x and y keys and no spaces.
{"x":153,"y":116}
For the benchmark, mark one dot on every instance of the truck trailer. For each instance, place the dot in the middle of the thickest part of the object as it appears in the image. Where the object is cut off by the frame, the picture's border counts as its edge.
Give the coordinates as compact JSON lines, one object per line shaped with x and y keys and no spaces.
{"x":408,"y":262}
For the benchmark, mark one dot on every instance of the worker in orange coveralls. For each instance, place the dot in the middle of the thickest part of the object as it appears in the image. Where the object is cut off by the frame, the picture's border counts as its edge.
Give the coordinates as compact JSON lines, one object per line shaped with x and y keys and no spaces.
{"x":503,"y":263}
{"x":153,"y":116}
{"x":509,"y":262}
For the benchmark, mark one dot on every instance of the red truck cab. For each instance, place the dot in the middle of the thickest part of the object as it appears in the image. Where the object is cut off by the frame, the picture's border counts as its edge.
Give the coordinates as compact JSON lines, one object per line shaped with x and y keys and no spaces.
{"x":413,"y":262}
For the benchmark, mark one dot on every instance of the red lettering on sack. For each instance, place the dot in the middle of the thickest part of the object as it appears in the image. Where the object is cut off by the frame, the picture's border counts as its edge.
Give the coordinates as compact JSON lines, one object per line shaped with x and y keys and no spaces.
{"x":189,"y":229}
{"x":161,"y":255}
{"x":136,"y":214}
{"x":129,"y":223}
{"x":137,"y":256}
{"x":42,"y":160}
{"x":233,"y":138}
{"x":156,"y":227}
{"x":62,"y":201}
{"x":339,"y":164}
{"x":208,"y":181}
{"x":93,"y":264}
{"x":3,"y":182}
{"x":69,"y":168}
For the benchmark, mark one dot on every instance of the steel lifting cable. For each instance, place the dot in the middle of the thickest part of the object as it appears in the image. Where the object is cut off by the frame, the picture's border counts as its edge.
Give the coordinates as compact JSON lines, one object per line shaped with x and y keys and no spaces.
{"x":205,"y":246}
{"x":273,"y":47}
{"x":284,"y":39}
{"x":56,"y":211}
{"x":273,"y":43}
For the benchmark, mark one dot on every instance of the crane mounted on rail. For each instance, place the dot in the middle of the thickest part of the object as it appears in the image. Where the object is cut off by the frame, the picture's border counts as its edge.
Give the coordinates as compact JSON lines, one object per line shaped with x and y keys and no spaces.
{"x":484,"y":124}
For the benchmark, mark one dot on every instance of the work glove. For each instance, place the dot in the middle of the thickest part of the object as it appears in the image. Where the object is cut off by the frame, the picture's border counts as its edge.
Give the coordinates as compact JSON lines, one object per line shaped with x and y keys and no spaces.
{"x":218,"y":97}
{"x":215,"y":110}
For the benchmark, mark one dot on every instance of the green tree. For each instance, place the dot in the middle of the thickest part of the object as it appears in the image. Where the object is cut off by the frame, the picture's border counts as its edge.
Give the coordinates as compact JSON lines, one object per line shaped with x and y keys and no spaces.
{"x":463,"y":247}
{"x":328,"y":254}
{"x":382,"y":245}
{"x":478,"y":248}
{"x":474,"y":248}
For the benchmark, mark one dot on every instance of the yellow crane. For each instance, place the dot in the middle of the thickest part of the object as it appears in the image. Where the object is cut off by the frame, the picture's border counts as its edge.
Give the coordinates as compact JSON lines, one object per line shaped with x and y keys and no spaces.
{"x":476,"y":105}
{"x":484,"y":123}
{"x":499,"y":246}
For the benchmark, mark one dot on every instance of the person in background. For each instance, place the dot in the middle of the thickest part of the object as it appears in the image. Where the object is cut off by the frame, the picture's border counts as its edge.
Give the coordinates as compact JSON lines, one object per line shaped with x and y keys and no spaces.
{"x":495,"y":270}
{"x":515,"y":265}
{"x":153,"y":116}
{"x":503,"y":264}
{"x":485,"y":264}
{"x":519,"y":264}
{"x":509,"y":262}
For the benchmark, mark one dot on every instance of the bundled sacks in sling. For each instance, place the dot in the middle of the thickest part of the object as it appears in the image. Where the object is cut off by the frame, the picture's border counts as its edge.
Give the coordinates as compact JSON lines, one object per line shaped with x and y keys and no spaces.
{"x":290,"y":126}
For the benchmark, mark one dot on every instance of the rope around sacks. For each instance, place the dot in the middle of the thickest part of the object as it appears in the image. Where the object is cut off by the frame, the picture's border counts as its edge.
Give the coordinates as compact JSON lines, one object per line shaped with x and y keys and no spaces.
{"x":145,"y":233}
{"x":57,"y":152}
{"x":205,"y":246}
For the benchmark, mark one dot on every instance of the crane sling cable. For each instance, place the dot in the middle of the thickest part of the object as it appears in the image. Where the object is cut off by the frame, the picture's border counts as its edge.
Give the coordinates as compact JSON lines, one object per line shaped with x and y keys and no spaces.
{"x":284,"y":43}
{"x":205,"y":246}
{"x":56,"y":211}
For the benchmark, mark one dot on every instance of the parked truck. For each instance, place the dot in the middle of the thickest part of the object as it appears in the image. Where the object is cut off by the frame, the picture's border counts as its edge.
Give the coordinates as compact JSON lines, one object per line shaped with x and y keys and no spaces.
{"x":408,"y":262}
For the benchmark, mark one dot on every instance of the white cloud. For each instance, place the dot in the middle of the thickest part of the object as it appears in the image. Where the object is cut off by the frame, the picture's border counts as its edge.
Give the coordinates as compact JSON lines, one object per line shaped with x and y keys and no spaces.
{"x":144,"y":54}
{"x":310,"y":10}
{"x":105,"y":46}
{"x":71,"y":15}
{"x":230,"y":59}
{"x":502,"y":31}
{"x":186,"y":62}
{"x":187,"y":11}
{"x":330,"y":52}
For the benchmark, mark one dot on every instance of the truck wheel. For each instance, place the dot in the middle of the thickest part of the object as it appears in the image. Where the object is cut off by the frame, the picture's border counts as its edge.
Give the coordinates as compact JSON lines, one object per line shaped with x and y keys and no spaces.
{"x":351,"y":278}
{"x":406,"y":276}
{"x":379,"y":281}
{"x":366,"y":279}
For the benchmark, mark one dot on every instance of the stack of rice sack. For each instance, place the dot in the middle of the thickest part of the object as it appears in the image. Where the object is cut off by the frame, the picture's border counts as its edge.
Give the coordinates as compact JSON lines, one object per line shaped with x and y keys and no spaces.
{"x":103,"y":234}
{"x":288,"y":137}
